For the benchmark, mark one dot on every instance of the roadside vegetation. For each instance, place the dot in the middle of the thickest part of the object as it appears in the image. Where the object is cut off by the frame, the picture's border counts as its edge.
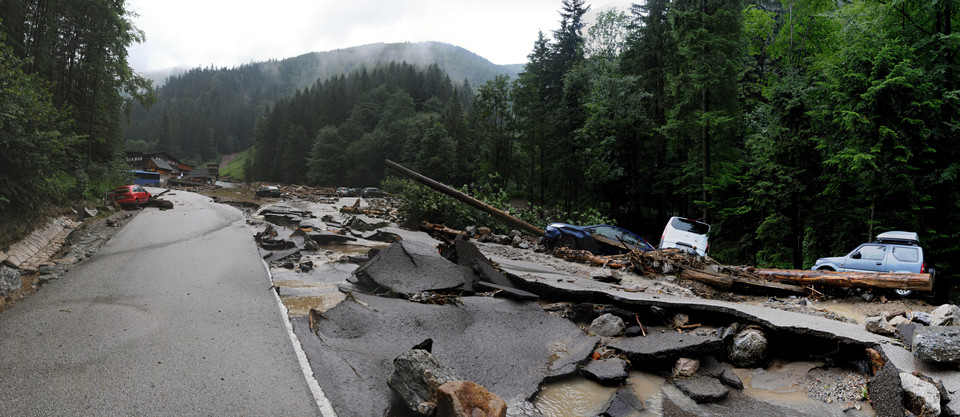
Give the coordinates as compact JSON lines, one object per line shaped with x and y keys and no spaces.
{"x":64,"y":83}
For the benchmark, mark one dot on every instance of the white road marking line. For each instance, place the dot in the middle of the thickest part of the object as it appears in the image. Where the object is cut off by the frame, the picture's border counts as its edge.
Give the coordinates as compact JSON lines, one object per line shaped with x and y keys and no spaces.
{"x":322,"y":402}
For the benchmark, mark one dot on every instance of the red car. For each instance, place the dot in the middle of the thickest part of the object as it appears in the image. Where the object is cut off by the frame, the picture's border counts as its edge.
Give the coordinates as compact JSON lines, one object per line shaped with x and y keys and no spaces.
{"x":129,"y":195}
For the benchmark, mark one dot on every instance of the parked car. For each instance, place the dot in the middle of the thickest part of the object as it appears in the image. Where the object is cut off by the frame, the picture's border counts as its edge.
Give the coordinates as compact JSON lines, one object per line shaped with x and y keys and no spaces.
{"x":687,"y":234}
{"x":343,"y":191}
{"x":897,"y":252}
{"x":269,"y":191}
{"x":601,"y":239}
{"x":129,"y":196}
{"x":372,"y":192}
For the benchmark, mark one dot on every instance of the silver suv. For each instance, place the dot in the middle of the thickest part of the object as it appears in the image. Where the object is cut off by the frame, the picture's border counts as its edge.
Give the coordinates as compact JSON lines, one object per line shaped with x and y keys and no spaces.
{"x":897,"y":252}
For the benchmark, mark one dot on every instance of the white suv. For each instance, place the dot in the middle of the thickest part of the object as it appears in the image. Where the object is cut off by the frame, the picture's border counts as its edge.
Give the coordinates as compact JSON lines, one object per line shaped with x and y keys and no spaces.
{"x":687,"y":234}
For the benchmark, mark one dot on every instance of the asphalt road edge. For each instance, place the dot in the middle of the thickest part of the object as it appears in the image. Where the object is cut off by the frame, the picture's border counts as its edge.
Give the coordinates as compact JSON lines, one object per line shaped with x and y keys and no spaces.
{"x":326,"y":408}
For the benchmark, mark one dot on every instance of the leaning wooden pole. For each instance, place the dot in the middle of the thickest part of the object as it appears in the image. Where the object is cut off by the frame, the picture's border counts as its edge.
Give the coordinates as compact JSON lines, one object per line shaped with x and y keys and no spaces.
{"x":506,"y":218}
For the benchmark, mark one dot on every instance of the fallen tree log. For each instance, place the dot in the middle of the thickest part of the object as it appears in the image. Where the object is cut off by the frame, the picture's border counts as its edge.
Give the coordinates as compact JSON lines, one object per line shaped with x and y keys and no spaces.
{"x":720,"y":280}
{"x":916,"y":282}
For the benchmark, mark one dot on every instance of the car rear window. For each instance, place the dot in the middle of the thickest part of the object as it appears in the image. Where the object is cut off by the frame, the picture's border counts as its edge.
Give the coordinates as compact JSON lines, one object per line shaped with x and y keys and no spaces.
{"x":691,"y":226}
{"x":906,"y":254}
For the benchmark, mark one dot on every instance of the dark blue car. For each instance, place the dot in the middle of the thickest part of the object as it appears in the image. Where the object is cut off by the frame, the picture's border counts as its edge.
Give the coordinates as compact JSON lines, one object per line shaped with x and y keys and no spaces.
{"x":601,"y":239}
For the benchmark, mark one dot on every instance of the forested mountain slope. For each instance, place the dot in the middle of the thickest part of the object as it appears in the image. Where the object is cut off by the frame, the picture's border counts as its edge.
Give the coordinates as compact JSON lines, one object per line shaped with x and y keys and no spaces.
{"x":209,"y":111}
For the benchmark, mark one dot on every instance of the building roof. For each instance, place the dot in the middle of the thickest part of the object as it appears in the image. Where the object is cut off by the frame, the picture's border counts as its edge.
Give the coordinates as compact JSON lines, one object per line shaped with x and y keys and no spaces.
{"x":161,"y":164}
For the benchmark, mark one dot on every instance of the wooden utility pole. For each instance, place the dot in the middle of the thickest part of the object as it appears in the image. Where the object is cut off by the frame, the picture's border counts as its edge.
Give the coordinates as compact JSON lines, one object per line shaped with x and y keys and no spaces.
{"x":506,"y":218}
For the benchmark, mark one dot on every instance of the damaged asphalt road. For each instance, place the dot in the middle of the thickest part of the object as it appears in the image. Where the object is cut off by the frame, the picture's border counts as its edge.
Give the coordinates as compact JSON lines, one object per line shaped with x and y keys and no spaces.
{"x":402,"y":294}
{"x":509,"y":347}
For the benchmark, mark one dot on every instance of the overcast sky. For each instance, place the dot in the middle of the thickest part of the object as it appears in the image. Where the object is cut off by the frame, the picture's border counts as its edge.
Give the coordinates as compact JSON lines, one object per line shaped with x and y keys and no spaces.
{"x":227,"y":33}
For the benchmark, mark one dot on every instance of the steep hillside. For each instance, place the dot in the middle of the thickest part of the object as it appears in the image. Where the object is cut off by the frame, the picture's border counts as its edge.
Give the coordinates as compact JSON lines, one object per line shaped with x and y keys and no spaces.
{"x":204,"y":112}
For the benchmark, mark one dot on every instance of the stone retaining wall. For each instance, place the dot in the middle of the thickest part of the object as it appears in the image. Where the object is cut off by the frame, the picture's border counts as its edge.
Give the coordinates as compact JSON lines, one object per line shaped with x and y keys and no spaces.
{"x":27,"y":254}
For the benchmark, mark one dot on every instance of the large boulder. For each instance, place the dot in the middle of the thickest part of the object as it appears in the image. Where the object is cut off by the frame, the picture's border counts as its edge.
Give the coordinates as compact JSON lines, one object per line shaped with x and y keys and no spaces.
{"x":607,"y":325}
{"x":939,"y":344}
{"x":748,"y":349}
{"x":406,"y":268}
{"x":9,"y":280}
{"x":919,"y":396}
{"x":945,"y":315}
{"x":416,"y":377}
{"x":467,"y":399}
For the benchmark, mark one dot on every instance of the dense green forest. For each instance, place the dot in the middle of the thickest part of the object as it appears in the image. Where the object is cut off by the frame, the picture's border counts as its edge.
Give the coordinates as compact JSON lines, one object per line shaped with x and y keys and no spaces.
{"x":64,"y":86}
{"x":797,"y":128}
{"x":206,"y":112}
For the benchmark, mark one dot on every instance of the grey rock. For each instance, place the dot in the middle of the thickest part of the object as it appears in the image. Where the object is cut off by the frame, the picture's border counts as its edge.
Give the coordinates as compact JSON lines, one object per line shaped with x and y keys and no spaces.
{"x":610,"y":372}
{"x":471,"y":230}
{"x":879,"y":325}
{"x":632,"y":331}
{"x":686,"y":367}
{"x":681,"y":319}
{"x":921,"y":317}
{"x":607,"y":325}
{"x":417,"y":375}
{"x":906,"y":332}
{"x":9,"y":280}
{"x":867,"y":297}
{"x":516,"y":241}
{"x":919,"y":396}
{"x":939,"y":344}
{"x":407,"y":268}
{"x":748,"y":348}
{"x":702,"y":389}
{"x":945,"y":315}
{"x":515,"y":234}
{"x":898,"y":320}
{"x":624,"y":403}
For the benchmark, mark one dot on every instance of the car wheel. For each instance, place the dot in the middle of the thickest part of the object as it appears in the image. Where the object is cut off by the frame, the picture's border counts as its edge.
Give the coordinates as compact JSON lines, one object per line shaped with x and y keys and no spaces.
{"x":567,"y":241}
{"x":902,"y":293}
{"x":825,"y":268}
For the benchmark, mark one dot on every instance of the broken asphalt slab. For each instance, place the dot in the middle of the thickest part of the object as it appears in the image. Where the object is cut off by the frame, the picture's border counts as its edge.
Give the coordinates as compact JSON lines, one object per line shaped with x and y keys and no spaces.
{"x":551,"y":283}
{"x":406,"y":268}
{"x":548,"y":282}
{"x":509,"y":347}
{"x":665,"y":344}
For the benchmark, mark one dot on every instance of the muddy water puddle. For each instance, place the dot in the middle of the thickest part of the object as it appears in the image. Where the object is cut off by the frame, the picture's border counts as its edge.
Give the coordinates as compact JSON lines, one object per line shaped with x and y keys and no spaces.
{"x":301,"y":306}
{"x":573,"y":397}
{"x":315,"y":296}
